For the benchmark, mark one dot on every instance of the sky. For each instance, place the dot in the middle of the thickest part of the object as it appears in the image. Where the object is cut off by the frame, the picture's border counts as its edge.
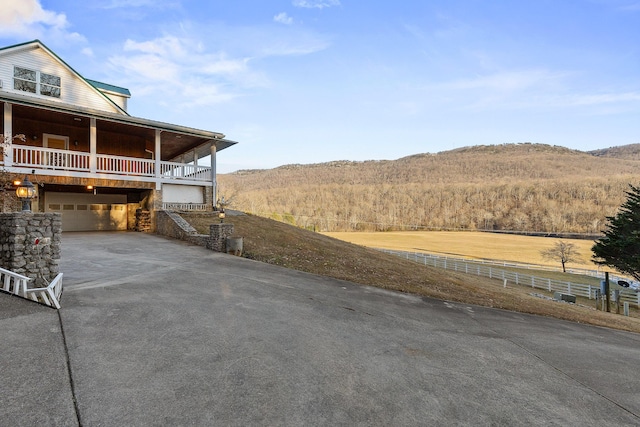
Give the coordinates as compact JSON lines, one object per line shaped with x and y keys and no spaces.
{"x":311,"y":81}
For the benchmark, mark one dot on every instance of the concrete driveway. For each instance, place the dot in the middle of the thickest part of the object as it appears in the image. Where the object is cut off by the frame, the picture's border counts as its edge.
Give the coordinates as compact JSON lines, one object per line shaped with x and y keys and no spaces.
{"x":157,"y":332}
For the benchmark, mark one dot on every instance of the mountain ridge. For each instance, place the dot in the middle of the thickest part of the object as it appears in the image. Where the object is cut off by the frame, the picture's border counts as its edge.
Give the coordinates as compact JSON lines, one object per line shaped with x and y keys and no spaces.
{"x":516,"y":187}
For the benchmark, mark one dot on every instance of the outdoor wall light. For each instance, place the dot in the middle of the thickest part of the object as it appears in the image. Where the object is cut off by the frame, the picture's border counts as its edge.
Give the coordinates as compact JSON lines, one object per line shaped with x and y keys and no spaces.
{"x":221,"y":216}
{"x":25,"y":192}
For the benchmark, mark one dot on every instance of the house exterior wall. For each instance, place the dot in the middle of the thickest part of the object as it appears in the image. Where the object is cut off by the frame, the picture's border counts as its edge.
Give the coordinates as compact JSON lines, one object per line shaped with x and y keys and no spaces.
{"x":120,"y":101}
{"x":35,"y":129}
{"x":73,"y":90}
{"x":182,"y":193}
{"x":121,"y":144}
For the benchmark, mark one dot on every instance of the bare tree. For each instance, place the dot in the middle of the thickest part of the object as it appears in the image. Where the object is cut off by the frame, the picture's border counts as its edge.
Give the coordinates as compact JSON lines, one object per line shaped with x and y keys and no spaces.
{"x":563,"y":252}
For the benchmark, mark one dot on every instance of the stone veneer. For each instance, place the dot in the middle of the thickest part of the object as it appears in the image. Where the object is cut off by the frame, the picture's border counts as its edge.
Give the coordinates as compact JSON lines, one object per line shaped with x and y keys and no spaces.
{"x":30,"y":244}
{"x":173,"y":225}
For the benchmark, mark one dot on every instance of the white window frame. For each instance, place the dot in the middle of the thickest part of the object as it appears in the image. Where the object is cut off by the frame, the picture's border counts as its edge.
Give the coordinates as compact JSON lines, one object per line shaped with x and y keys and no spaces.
{"x":47,"y":136}
{"x":52,"y":91}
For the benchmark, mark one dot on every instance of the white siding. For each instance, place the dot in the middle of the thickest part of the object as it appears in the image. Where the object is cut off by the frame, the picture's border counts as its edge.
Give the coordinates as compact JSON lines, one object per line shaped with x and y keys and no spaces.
{"x":121,"y":101}
{"x":182,"y":193}
{"x":73,"y":90}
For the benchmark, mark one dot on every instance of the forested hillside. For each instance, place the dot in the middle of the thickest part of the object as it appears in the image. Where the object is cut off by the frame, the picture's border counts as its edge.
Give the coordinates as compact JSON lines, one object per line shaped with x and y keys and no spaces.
{"x":519,"y":187}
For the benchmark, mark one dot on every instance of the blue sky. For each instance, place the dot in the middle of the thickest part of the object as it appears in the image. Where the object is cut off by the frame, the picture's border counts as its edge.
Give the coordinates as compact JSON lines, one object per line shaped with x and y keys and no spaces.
{"x":308,"y":81}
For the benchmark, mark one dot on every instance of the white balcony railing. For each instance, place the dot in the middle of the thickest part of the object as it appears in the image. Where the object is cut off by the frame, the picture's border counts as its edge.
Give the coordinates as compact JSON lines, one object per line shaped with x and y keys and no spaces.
{"x":172,"y":170}
{"x":48,"y":158}
{"x":124,"y":167}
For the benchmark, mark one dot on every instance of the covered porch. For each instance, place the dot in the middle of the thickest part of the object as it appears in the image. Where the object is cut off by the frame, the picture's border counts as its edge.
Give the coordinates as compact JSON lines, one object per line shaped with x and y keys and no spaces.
{"x":67,"y":142}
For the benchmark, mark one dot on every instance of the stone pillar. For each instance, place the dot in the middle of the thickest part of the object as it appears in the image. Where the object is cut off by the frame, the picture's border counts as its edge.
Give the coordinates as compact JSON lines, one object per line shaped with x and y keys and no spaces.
{"x":143,"y":221}
{"x":218,"y":234}
{"x":30,"y":244}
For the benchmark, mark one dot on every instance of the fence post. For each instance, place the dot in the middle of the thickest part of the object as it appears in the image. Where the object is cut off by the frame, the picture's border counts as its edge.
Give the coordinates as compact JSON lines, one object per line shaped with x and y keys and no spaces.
{"x":490,"y":273}
{"x":517,"y":283}
{"x":568,"y":287}
{"x":549,"y":284}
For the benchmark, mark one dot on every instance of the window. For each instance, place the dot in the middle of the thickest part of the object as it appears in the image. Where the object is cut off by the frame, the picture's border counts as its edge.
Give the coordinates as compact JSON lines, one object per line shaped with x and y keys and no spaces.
{"x":49,"y":85}
{"x":27,"y":81}
{"x":24,"y":79}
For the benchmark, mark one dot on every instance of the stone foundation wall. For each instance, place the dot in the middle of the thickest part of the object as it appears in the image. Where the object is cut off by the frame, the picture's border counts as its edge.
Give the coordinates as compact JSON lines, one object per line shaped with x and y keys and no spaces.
{"x":30,"y":244}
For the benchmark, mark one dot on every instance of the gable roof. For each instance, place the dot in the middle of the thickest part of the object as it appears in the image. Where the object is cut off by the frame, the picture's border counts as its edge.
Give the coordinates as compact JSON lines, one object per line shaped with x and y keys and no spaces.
{"x":110,"y":88}
{"x":91,"y":84}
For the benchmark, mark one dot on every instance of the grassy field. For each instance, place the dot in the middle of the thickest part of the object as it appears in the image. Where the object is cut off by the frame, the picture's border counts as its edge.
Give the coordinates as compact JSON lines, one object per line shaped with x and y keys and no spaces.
{"x":277,"y":243}
{"x":468,"y":244}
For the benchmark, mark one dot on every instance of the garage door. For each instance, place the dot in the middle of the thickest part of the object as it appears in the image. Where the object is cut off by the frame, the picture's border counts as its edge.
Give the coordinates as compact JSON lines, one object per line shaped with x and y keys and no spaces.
{"x":89,"y":212}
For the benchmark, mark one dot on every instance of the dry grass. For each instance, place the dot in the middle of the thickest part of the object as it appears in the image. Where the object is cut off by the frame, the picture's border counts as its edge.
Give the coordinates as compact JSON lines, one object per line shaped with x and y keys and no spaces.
{"x":468,"y":244}
{"x":281,"y":244}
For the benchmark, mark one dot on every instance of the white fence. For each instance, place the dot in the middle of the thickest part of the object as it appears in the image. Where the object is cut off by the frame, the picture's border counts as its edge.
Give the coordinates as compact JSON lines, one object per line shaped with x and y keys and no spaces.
{"x":197,"y":207}
{"x":492,"y":272}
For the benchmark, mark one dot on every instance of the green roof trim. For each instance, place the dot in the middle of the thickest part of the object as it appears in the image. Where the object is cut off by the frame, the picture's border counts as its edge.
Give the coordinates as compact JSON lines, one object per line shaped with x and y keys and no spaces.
{"x":110,"y":88}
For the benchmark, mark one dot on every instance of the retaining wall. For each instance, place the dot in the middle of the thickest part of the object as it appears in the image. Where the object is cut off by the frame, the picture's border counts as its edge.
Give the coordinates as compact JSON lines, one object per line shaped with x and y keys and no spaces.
{"x":30,"y":244}
{"x":171,"y":224}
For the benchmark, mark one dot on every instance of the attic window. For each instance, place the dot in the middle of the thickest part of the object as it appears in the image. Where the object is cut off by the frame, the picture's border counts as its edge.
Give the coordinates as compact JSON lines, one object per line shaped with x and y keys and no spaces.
{"x":24,"y":79}
{"x":36,"y":82}
{"x":49,"y":85}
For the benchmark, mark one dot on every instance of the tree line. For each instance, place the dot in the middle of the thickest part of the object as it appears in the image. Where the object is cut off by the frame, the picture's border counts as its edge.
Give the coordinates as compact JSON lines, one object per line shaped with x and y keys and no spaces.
{"x":518,"y":187}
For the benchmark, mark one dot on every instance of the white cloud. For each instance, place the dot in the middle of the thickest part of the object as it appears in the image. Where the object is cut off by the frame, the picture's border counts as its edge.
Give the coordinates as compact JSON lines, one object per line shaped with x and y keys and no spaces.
{"x":116,"y":4}
{"x":283,"y":18}
{"x":196,"y":66}
{"x":184,"y":70}
{"x":316,"y":4}
{"x":509,"y":81}
{"x":603,"y":98}
{"x":26,"y":19}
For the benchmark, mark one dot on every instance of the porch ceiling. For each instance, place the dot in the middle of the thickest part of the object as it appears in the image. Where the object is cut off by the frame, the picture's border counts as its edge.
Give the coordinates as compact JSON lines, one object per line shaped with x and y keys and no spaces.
{"x":175,"y":140}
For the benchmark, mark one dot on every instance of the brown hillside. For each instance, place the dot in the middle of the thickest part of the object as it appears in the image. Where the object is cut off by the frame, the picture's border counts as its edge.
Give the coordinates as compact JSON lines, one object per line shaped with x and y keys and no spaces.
{"x":521,"y":187}
{"x":627,"y":152}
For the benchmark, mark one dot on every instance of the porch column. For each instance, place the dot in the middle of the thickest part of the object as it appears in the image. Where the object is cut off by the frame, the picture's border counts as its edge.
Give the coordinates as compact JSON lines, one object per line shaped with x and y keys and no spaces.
{"x":157,"y":160}
{"x":214,"y":198}
{"x":93,"y":146}
{"x":8,"y":134}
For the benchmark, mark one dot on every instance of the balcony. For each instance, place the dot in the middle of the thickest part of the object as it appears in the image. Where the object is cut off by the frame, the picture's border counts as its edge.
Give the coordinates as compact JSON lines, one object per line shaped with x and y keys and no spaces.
{"x":48,"y":161}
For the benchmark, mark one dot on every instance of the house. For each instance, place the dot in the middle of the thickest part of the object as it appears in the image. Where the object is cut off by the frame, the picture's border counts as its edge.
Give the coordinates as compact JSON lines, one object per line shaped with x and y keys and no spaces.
{"x":91,"y":160}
